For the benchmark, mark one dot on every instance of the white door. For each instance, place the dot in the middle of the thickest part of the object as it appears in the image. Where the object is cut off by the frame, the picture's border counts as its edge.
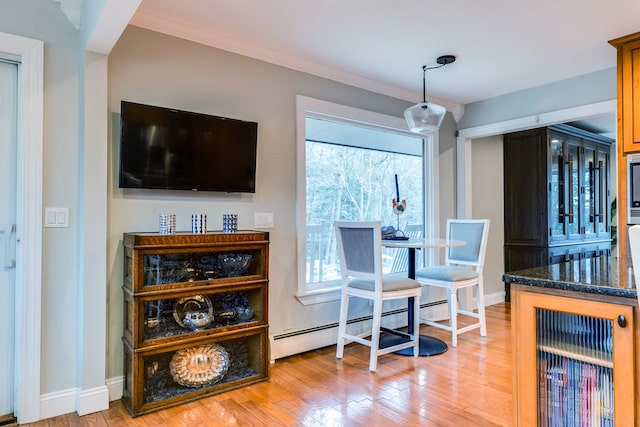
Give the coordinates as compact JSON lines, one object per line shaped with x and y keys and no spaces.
{"x":8,"y":159}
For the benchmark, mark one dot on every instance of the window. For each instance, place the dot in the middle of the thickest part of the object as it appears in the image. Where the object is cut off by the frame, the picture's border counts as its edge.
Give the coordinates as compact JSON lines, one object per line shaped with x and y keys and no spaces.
{"x":348,"y":160}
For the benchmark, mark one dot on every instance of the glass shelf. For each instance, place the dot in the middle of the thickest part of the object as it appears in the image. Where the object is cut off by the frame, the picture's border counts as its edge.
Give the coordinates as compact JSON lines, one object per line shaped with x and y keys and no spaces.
{"x":161,"y":319}
{"x":160,"y":269}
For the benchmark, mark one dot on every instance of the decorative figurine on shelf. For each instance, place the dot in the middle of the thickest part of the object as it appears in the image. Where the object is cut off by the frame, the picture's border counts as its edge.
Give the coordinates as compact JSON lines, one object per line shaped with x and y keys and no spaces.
{"x":399,"y":207}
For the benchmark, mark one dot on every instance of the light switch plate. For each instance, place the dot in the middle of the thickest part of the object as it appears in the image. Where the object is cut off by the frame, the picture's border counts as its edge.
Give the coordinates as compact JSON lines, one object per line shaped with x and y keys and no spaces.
{"x":56,"y":217}
{"x":263,"y":220}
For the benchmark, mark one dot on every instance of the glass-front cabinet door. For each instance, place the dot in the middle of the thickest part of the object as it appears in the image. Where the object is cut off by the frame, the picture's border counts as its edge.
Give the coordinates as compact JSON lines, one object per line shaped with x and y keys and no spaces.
{"x":595,"y":175}
{"x":564,"y":188}
{"x":602,"y":179}
{"x":572,"y":216}
{"x":557,"y":182}
{"x":573,"y":365}
{"x":588,"y":175}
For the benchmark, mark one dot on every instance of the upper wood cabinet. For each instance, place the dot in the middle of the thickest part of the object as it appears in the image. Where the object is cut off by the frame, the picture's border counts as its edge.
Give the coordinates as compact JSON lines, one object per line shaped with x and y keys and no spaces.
{"x":628,"y":91}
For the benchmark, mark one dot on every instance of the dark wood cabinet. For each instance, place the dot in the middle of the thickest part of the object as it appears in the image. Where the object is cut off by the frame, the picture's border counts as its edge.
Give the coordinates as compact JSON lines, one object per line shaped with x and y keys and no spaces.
{"x":556,"y":196}
{"x":196,"y":315}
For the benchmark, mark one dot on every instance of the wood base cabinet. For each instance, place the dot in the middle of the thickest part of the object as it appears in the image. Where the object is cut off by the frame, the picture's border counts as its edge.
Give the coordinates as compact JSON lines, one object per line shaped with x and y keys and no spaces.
{"x":574,"y":360}
{"x":196,"y":316}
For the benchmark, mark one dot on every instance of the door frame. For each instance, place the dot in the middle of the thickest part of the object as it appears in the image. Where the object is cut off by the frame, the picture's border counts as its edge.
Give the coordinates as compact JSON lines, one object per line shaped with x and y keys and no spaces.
{"x":29,"y":174}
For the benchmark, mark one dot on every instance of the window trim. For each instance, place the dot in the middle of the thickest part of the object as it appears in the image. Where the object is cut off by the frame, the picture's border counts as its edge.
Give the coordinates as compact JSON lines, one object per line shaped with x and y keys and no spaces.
{"x":311,"y":107}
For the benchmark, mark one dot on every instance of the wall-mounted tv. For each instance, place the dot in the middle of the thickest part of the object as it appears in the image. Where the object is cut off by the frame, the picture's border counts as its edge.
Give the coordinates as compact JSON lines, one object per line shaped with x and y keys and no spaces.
{"x":165,"y":148}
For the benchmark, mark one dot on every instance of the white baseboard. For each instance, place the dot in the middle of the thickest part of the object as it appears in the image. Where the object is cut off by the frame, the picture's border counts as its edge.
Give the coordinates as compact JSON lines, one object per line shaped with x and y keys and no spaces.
{"x":97,"y":399}
{"x":494,"y":298}
{"x":74,"y":400}
{"x":58,"y":403}
{"x":116,"y":388}
{"x":283,"y":346}
{"x":93,"y":400}
{"x":318,"y":338}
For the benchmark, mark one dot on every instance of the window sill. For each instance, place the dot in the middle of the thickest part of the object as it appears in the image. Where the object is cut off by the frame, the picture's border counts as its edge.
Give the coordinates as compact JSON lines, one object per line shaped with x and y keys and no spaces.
{"x":319,"y":296}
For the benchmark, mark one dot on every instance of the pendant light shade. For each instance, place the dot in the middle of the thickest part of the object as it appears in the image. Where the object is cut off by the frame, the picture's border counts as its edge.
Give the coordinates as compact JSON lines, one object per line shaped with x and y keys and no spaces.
{"x":426,"y":117}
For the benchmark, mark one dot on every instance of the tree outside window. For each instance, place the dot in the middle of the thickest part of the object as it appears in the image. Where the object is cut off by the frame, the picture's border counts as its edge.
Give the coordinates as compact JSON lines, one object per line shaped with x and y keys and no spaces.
{"x":350,"y":173}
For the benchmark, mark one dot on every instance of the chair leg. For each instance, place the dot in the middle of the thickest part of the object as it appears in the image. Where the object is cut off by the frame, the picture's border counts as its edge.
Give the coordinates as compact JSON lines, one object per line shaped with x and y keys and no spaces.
{"x":481,"y":317}
{"x":416,"y":326}
{"x":375,"y":334}
{"x":453,"y":316}
{"x":342,"y":324}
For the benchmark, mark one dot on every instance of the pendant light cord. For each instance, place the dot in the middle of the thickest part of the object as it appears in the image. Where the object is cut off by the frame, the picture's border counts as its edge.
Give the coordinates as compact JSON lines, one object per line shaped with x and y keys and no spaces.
{"x":424,"y":78}
{"x":442,"y":61}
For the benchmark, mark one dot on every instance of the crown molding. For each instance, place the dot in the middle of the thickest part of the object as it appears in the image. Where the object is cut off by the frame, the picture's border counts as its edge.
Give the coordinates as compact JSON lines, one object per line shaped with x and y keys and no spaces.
{"x":206,"y":36}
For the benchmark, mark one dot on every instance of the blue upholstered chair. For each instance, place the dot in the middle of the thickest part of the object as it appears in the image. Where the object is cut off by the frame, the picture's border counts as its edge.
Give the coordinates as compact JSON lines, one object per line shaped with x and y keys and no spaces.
{"x":360,"y":247}
{"x":462,"y":269}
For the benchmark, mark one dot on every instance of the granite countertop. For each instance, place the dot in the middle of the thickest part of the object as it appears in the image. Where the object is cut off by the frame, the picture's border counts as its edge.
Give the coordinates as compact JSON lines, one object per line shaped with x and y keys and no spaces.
{"x":599,"y":275}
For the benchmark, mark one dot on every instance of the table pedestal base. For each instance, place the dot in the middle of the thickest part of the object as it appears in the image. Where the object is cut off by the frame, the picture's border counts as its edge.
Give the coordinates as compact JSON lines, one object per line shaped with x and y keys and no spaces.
{"x":429,"y":346}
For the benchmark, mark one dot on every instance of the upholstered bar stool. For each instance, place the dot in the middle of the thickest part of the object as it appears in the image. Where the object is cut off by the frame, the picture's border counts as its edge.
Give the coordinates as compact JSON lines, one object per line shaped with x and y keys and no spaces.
{"x":462,"y":269}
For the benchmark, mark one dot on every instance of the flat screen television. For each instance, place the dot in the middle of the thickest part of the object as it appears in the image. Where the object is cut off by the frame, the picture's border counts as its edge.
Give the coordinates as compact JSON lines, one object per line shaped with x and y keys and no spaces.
{"x":165,"y":148}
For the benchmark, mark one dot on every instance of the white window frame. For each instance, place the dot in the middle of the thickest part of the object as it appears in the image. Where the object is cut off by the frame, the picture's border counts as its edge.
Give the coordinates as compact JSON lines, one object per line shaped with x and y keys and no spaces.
{"x":310,"y":107}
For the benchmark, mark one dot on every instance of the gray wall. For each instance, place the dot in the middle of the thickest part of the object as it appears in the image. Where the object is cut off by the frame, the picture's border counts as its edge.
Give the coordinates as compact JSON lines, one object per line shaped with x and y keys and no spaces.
{"x":488,"y":202}
{"x":42,"y":19}
{"x":587,"y":89}
{"x":488,"y":188}
{"x":152,"y":68}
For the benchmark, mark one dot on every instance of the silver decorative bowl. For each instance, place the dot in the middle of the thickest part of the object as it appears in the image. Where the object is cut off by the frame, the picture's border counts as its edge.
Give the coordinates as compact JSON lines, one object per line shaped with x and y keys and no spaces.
{"x":193,"y":312}
{"x":199,"y":366}
{"x":197,"y":319}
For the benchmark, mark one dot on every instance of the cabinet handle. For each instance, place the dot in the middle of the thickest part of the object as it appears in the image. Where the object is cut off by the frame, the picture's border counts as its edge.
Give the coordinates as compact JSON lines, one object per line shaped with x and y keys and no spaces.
{"x":561,"y":176}
{"x":592,"y":183}
{"x":622,"y":321}
{"x":601,"y":195}
{"x":570,"y":185}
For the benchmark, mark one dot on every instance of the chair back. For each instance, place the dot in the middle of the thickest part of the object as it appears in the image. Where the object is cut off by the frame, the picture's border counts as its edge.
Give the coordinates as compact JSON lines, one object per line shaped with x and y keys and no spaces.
{"x":360,"y":247}
{"x":401,"y":256}
{"x":634,"y":248}
{"x":473,"y":231}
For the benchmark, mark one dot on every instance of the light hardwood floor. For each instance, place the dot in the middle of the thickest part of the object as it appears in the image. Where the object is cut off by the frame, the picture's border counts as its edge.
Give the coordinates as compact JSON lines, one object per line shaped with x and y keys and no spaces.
{"x":467,"y":386}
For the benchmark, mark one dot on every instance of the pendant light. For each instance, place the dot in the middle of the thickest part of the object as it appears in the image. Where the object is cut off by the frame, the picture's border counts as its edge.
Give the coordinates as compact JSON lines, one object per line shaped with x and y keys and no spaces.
{"x":427,"y":117}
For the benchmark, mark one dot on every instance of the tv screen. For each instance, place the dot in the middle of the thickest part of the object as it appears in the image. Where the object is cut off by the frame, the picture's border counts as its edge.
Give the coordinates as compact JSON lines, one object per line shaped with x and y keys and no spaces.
{"x":164,"y":148}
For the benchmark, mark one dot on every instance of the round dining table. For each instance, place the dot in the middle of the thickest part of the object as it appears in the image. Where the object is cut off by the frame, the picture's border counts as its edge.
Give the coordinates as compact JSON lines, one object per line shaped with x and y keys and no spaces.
{"x":429,"y":346}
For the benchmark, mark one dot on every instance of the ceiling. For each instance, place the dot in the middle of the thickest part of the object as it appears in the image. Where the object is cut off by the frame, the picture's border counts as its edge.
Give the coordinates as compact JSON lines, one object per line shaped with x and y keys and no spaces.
{"x":501,"y":46}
